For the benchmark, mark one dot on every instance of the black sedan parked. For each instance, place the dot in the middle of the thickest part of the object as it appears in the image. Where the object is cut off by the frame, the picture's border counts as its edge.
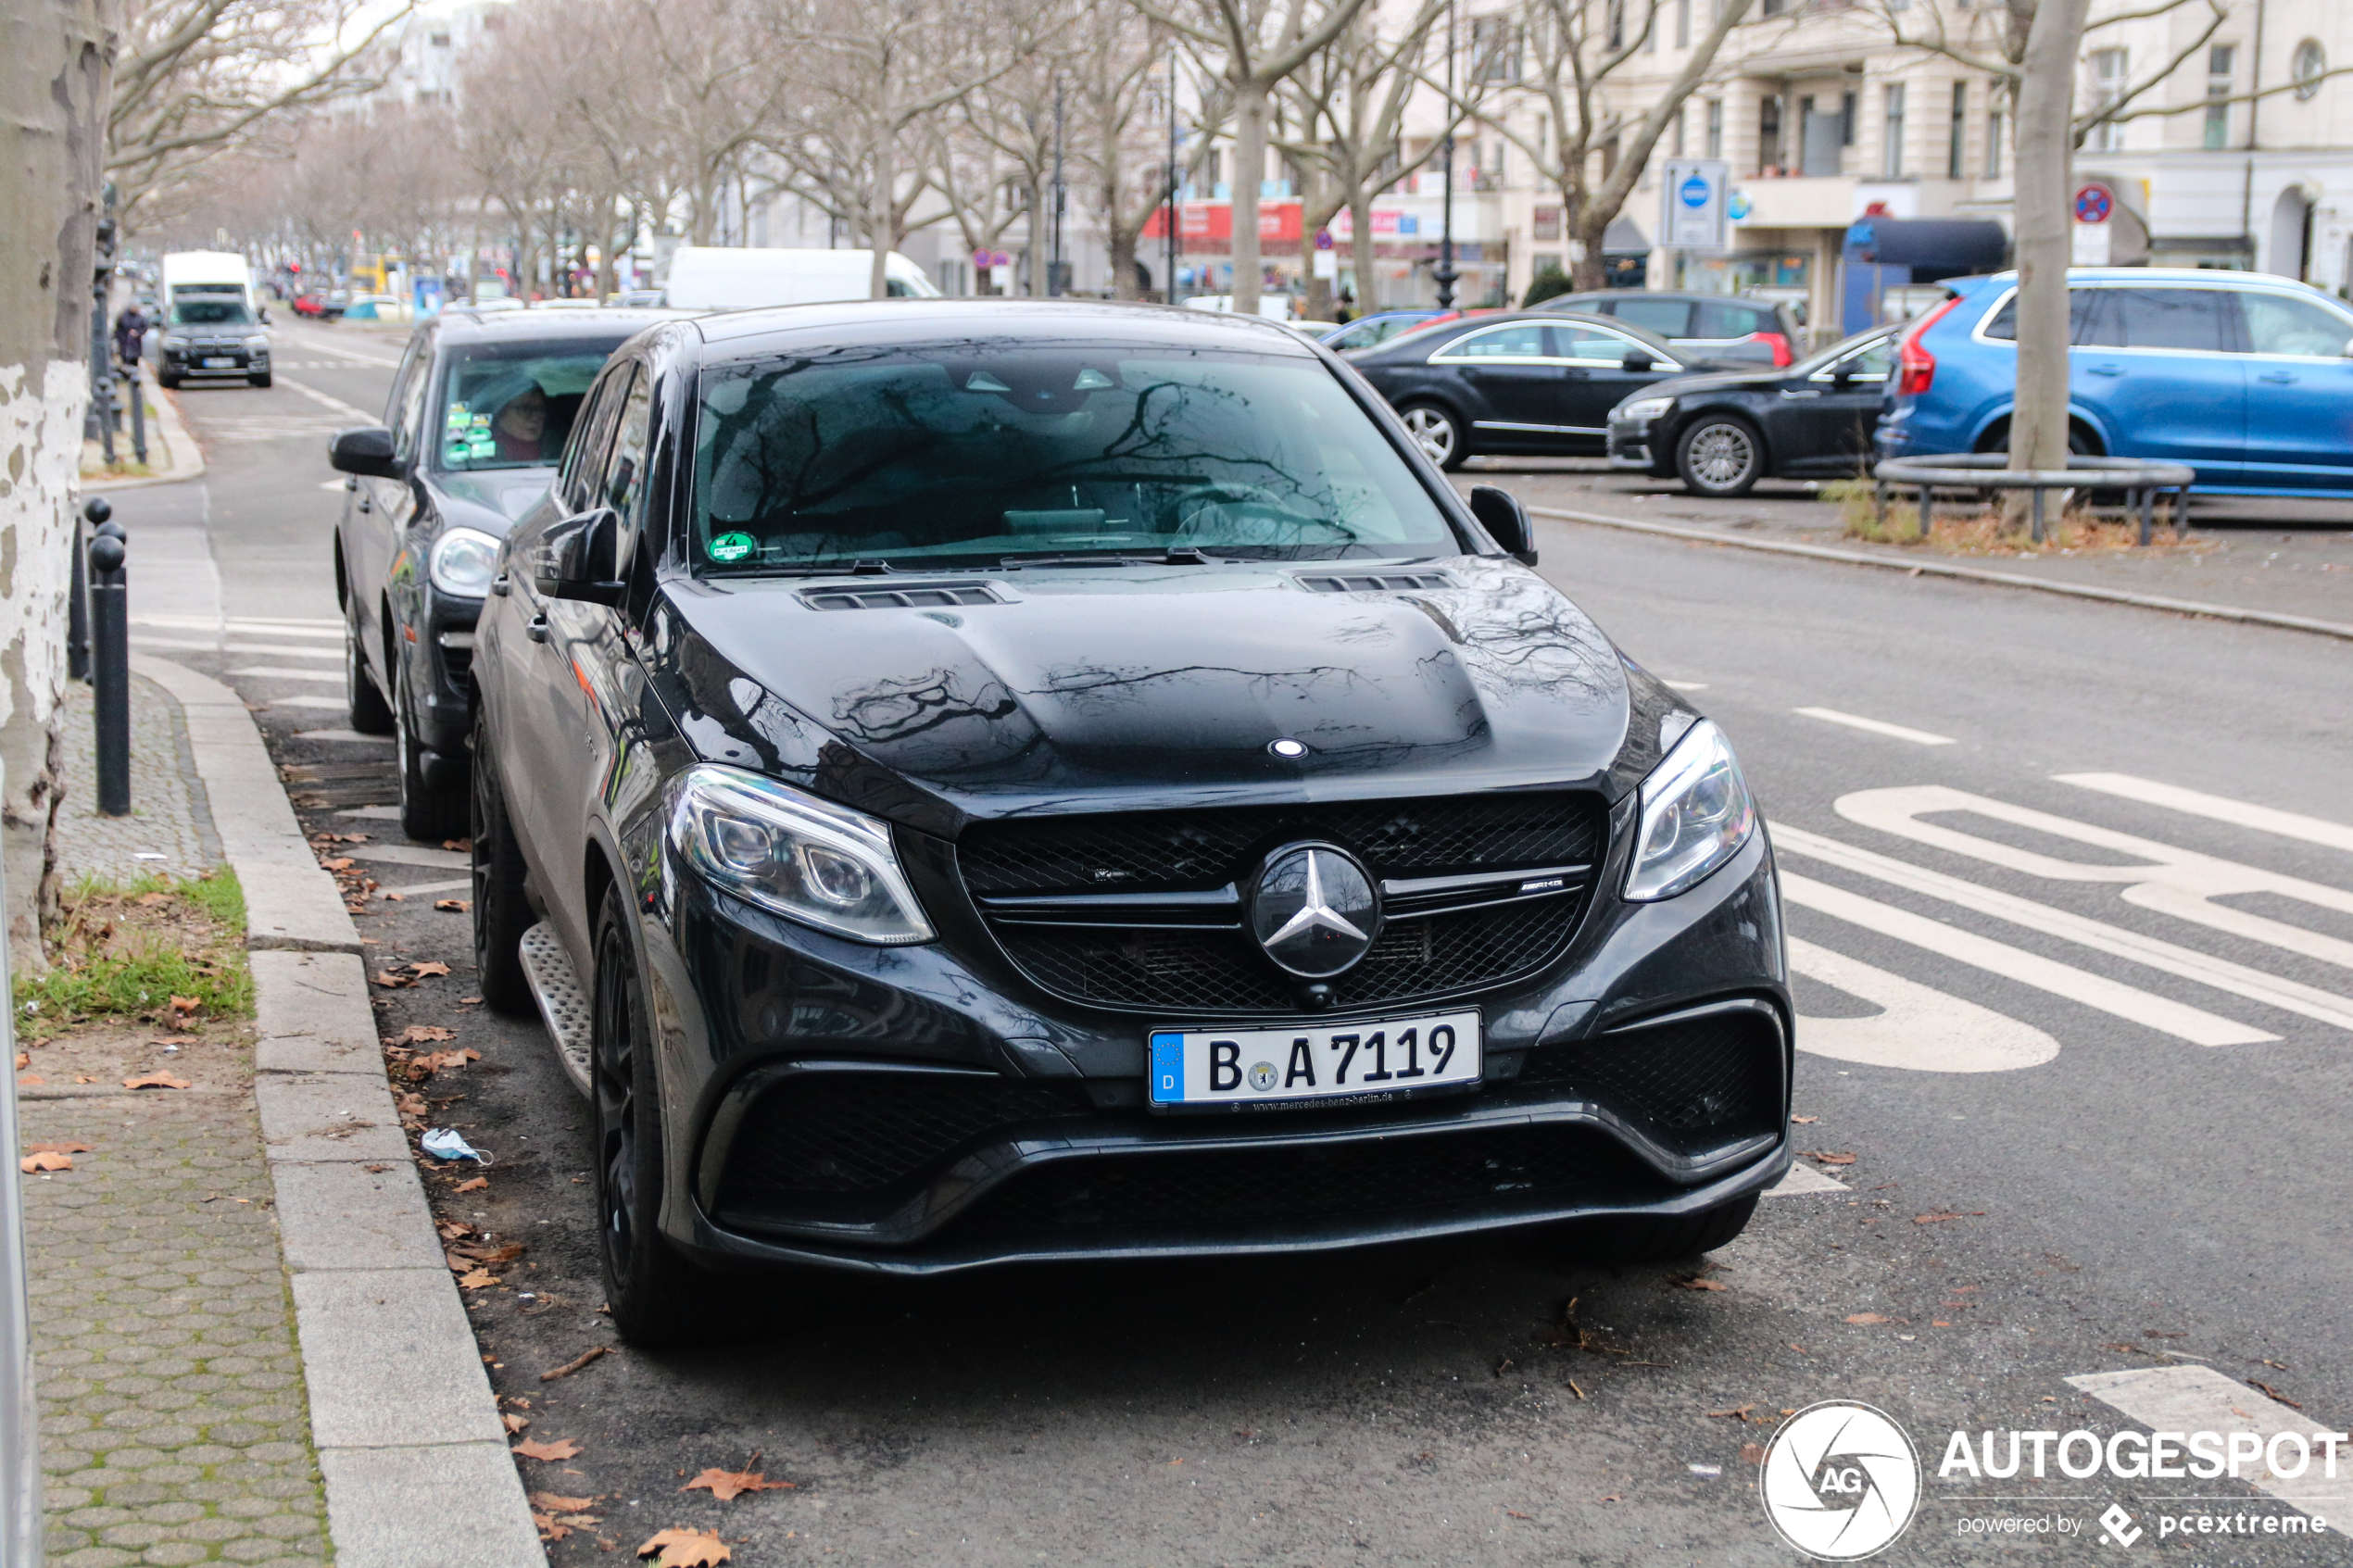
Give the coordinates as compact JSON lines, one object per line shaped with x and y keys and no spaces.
{"x":478,"y":416}
{"x":1041,"y":779}
{"x":1534,"y":382}
{"x":1722,"y":434}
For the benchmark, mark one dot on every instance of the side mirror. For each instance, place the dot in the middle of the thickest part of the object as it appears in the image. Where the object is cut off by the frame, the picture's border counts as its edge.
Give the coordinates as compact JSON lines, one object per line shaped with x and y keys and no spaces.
{"x":578,"y":558}
{"x":1500,"y":512}
{"x":1844,"y":377}
{"x":1636,"y":362}
{"x":364,"y":449}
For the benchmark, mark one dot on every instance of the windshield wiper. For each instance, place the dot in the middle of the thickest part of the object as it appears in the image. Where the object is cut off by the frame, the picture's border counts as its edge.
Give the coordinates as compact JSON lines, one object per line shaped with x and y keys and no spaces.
{"x":1176,"y":555}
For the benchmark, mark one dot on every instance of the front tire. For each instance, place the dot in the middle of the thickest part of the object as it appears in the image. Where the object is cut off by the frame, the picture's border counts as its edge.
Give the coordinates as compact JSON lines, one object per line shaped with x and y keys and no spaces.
{"x":1438,"y":433}
{"x":656,"y":1297}
{"x":502,"y":910}
{"x":1720,"y":456}
{"x":371,"y":715}
{"x":428,"y":812}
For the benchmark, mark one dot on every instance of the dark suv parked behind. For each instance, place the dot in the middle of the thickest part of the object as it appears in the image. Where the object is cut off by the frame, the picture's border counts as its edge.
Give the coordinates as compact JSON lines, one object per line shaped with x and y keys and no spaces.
{"x":1019,"y":779}
{"x":478,"y":416}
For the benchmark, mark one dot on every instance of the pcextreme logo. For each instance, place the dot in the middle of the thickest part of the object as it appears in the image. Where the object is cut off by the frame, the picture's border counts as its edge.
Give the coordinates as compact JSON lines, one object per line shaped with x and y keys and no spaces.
{"x":1841,"y":1481}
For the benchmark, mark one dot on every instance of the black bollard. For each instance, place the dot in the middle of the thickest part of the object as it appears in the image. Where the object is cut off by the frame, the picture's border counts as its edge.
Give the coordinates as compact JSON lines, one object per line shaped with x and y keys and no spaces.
{"x":110,"y":669}
{"x":78,"y":604}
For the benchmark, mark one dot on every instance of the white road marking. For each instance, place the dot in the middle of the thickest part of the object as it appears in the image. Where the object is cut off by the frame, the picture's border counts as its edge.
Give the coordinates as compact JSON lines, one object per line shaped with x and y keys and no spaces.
{"x":332,"y":485}
{"x":2289,"y":996}
{"x":267,"y":672}
{"x":1801,"y":1179}
{"x":335,"y":403}
{"x":1919,"y":1027}
{"x":407,"y":855}
{"x":373,"y":813}
{"x":184,"y":643}
{"x":351,"y":355}
{"x":342,"y":734}
{"x":418,"y":889}
{"x":2238,"y":813}
{"x":282,"y":651}
{"x":2199,"y":1399}
{"x":2177,"y":1019}
{"x":1685,"y":685}
{"x":1876,"y":726}
{"x":307,"y":702}
{"x":282,"y":627}
{"x":2174,"y":881}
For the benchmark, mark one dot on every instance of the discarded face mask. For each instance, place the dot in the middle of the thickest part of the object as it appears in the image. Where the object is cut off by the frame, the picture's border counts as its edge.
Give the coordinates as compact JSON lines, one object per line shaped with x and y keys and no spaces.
{"x":443,"y":1143}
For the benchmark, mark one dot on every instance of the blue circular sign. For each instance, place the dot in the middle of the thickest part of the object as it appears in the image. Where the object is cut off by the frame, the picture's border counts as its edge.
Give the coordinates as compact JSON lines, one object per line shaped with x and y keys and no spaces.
{"x":1695,"y":191}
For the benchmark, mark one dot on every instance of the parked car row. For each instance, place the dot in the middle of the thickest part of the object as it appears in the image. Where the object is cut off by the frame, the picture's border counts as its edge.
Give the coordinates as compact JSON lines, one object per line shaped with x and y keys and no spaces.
{"x":904,"y":764}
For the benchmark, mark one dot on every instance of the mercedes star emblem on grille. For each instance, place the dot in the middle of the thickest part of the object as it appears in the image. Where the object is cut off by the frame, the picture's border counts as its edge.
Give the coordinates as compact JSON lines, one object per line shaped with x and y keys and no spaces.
{"x":1314,"y":909}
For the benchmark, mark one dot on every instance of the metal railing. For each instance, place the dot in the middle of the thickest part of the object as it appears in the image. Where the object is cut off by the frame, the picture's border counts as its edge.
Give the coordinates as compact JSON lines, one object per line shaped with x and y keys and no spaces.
{"x":2140,"y":479}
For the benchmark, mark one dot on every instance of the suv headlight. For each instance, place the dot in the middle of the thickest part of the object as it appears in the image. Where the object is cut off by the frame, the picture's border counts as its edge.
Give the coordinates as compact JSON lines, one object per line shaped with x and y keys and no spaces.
{"x":259,"y":340}
{"x":806,"y":859}
{"x":174,"y":340}
{"x":1696,"y":814}
{"x":464,"y":562}
{"x":1644,"y":407}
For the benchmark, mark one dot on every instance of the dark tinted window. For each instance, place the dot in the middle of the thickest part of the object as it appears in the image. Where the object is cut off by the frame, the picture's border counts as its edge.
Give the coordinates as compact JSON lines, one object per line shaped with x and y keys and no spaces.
{"x":2081,"y":304}
{"x":511,"y":404}
{"x":1667,"y":318}
{"x":1723,"y":319}
{"x":210,"y":313}
{"x":2159,"y":318}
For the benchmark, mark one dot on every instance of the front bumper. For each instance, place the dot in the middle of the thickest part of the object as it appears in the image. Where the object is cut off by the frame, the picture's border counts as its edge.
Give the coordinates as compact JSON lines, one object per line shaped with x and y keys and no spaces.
{"x":216,"y":359}
{"x":1630,"y":445}
{"x":441,"y":677}
{"x":921,"y":1109}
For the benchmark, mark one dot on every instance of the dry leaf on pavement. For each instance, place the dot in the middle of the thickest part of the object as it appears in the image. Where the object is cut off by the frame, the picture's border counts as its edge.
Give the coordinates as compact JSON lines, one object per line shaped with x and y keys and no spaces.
{"x":562,"y":1447}
{"x":1752,"y":1453}
{"x":1936,"y":1218}
{"x":554,"y":1504}
{"x":1805,"y":1121}
{"x":340,"y":863}
{"x":455,"y":906}
{"x":676,"y":1547}
{"x":75,"y":1146}
{"x":1826,"y":1158}
{"x":428,"y":967}
{"x":24,"y":1061}
{"x":727,"y":1484}
{"x":514,"y":1423}
{"x":154,"y":1081}
{"x":31,"y":1079}
{"x":1868,"y":1317}
{"x":475,"y":1185}
{"x":32,"y":1164}
{"x":424,"y":1033}
{"x":390,"y":980}
{"x":479,"y":1279}
{"x":1738,"y":1412}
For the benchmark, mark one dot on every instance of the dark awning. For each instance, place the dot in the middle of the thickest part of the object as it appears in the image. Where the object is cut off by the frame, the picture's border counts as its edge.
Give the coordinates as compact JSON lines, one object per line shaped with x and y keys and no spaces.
{"x":1951,"y":246}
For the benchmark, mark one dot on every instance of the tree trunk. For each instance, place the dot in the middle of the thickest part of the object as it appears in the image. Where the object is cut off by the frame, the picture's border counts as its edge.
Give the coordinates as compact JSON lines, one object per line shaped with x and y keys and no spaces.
{"x":1360,"y":218}
{"x":57,"y":75}
{"x":1318,"y":304}
{"x":1586,"y":267}
{"x":2045,"y":160}
{"x":878,"y":223}
{"x":1123,"y":256}
{"x":1250,"y":166}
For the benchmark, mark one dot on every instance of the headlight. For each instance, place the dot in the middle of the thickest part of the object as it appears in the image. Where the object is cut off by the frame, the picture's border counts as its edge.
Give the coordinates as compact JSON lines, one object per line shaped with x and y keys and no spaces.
{"x":1644,"y":407}
{"x":464,"y":562}
{"x":174,"y":340}
{"x":806,"y":859}
{"x":1696,"y":814}
{"x":259,"y":340}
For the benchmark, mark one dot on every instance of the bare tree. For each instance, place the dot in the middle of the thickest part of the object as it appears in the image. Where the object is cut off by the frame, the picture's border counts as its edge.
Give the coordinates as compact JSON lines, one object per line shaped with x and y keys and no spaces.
{"x":1257,"y":43}
{"x":1110,"y":68}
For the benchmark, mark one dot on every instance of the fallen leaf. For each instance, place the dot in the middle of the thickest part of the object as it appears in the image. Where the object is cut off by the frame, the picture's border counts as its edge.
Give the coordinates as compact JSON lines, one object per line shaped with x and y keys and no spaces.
{"x":551,"y":1504}
{"x":455,"y":906}
{"x":562,"y":1447}
{"x":1939,"y":1217}
{"x":31,"y":1079}
{"x":514,"y":1423}
{"x":2272,"y":1393}
{"x":461,"y":845}
{"x":1701,"y":1284}
{"x":86,"y":1080}
{"x":577,"y":1362}
{"x":149,"y":900}
{"x":678,"y":1548}
{"x":727,"y":1484}
{"x":1868,"y":1317}
{"x":1516,"y":1513}
{"x":1938,"y":1322}
{"x":395,"y":897}
{"x":550,"y":1527}
{"x":23,"y":1061}
{"x":424,"y":1033}
{"x":1738,"y":1412}
{"x":154,"y":1081}
{"x":1826,"y":1158}
{"x":35,"y":1162}
{"x":429,"y":968}
{"x":475,"y":1185}
{"x":59,"y":1146}
{"x":1805,"y":1121}
{"x":477,"y":1280}
{"x":1752,"y":1453}
{"x":390,"y":980}
{"x":1611,"y":1497}
{"x":340,"y":863}
{"x":469,"y":1001}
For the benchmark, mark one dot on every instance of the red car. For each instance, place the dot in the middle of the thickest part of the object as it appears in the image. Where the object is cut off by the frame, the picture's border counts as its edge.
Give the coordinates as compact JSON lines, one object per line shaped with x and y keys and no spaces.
{"x":317,"y":306}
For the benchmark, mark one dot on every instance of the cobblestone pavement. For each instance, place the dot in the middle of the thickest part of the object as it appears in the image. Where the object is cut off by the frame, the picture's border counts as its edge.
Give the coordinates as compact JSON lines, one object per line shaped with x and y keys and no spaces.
{"x":170,"y":829}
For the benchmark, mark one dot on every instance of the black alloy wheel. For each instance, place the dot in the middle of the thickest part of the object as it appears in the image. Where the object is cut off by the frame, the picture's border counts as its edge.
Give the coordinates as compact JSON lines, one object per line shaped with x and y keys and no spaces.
{"x":501,"y":908}
{"x":1437,"y":432}
{"x":428,"y":812}
{"x":656,"y":1297}
{"x":1719,"y":455}
{"x":371,"y":715}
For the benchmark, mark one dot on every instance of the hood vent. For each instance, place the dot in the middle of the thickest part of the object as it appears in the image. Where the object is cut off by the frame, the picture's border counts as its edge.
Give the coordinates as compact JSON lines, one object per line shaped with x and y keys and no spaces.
{"x":1372,"y":582}
{"x":932,"y":596}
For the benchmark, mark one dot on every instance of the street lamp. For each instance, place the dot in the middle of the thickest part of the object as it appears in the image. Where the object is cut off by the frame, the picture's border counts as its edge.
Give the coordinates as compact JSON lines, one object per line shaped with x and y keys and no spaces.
{"x":1445,"y":274}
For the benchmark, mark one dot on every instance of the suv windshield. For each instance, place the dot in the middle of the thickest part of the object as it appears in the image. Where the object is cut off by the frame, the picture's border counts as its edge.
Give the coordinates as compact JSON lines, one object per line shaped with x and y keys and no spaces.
{"x":210,"y":313}
{"x":970,"y":454}
{"x":510,"y":405}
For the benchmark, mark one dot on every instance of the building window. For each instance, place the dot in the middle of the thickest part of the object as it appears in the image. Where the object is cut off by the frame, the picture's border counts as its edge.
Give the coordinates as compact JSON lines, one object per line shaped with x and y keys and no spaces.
{"x":1683,"y":24}
{"x":1544,"y":223}
{"x":2109,"y":71}
{"x":2311,"y":64}
{"x":1494,"y":49}
{"x":1956,"y":139}
{"x":1714,"y":128}
{"x":1617,"y":24}
{"x":1768,"y":133}
{"x":1997,"y":125}
{"x":1891,"y":162}
{"x":1847,"y":120}
{"x":2219,"y":60}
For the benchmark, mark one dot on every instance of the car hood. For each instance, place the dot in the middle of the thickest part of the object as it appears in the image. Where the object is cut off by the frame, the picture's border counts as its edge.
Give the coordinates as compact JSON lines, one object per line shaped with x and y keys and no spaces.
{"x":1142,"y":686}
{"x":1762,"y":378}
{"x":490,"y":501}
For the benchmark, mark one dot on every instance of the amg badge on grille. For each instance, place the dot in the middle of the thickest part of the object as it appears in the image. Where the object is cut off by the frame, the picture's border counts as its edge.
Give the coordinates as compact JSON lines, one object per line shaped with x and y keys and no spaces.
{"x":1314,"y":909}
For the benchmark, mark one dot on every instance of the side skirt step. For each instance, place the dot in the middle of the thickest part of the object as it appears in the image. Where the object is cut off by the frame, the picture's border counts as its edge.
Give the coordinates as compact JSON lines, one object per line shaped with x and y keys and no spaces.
{"x":563,"y":1003}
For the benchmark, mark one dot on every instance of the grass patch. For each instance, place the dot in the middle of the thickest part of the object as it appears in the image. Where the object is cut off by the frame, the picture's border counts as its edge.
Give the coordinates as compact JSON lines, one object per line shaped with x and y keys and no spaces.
{"x":124,"y":950}
{"x":1983,"y":532}
{"x":1857,"y":503}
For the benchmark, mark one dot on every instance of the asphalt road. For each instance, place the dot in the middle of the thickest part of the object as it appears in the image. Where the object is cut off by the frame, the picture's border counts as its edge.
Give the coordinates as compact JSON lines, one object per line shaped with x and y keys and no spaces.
{"x":2081,"y":1144}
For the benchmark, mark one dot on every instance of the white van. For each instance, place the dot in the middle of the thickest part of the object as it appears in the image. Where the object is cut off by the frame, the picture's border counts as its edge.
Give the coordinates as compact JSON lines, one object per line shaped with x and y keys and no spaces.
{"x":208,"y":274}
{"x":735,"y":278}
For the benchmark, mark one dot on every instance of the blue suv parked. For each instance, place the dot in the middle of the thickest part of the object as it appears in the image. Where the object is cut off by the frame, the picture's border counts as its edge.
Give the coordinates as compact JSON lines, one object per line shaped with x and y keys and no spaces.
{"x":2244,"y":376}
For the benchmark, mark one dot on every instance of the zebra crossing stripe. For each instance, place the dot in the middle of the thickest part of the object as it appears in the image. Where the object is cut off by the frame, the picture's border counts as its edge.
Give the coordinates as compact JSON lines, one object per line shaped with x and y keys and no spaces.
{"x":2288,"y":996}
{"x":2196,"y":803}
{"x":2199,"y":1399}
{"x":2096,"y":991}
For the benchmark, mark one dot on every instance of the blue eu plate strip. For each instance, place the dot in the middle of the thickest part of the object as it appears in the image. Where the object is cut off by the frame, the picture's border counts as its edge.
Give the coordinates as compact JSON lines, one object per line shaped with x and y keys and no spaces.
{"x":1168,"y":1069}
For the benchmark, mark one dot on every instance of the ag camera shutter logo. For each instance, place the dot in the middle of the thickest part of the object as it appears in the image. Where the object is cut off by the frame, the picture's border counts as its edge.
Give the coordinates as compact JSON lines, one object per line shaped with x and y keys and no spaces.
{"x":1841,"y":1481}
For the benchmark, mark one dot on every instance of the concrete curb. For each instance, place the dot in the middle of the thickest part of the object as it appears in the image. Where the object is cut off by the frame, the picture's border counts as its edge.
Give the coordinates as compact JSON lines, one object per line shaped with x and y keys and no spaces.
{"x":187,"y":457}
{"x":402,"y":1416}
{"x":1967,"y":573}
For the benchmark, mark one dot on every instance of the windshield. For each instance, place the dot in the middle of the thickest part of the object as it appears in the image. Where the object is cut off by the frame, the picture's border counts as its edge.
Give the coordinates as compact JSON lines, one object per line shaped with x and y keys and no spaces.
{"x":210,"y":313}
{"x":977,"y":454}
{"x":510,"y":405}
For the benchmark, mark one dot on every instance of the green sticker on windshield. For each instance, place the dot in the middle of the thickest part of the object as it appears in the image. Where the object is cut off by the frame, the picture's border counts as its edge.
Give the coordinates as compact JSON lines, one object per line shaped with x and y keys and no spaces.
{"x":483,"y":448}
{"x":459,"y":452}
{"x":729,"y":549}
{"x":457,"y":419}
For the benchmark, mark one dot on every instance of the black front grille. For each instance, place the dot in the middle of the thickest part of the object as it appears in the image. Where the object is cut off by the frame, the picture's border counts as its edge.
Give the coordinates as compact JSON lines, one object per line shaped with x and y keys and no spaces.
{"x":864,"y":1132}
{"x":1507,"y":1168}
{"x":1695,"y":1083}
{"x":1212,"y":972}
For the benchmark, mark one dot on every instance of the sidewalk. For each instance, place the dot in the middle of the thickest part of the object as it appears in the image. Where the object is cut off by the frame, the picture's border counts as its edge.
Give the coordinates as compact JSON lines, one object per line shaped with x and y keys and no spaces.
{"x":172,"y":452}
{"x":248,"y":1346}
